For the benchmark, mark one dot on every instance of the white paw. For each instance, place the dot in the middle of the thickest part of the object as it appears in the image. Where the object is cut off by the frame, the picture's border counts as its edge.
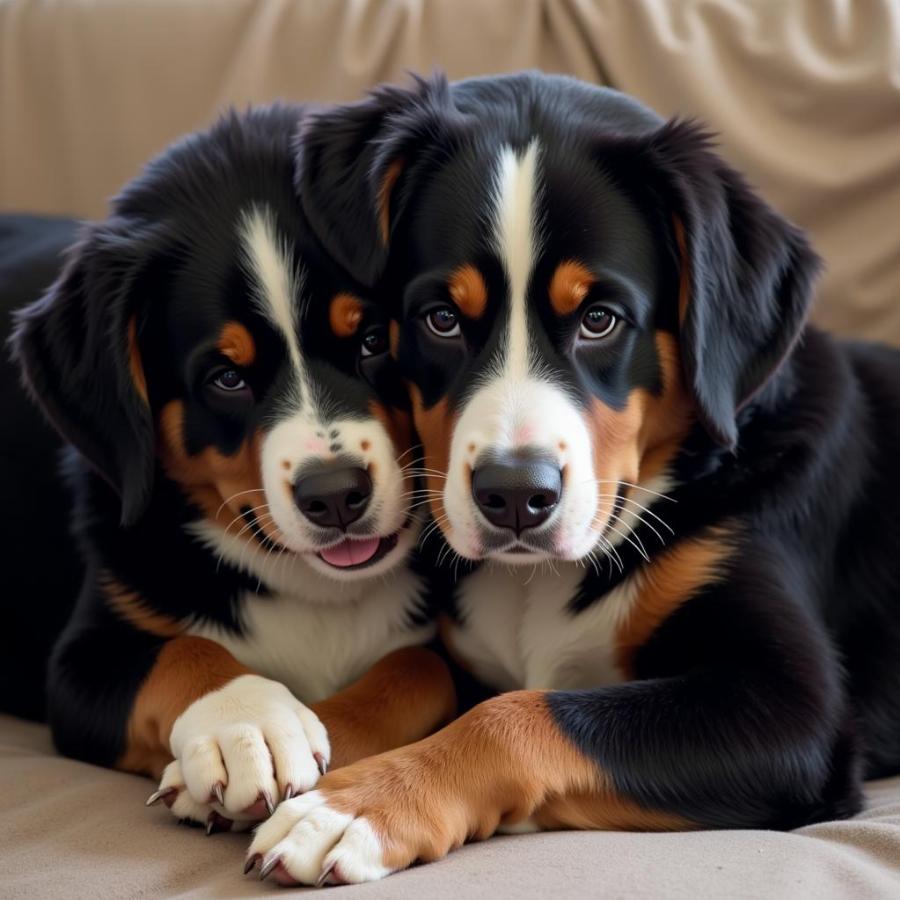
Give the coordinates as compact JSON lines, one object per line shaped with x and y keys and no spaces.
{"x":242,"y":748}
{"x":308,"y":842}
{"x":210,"y":816}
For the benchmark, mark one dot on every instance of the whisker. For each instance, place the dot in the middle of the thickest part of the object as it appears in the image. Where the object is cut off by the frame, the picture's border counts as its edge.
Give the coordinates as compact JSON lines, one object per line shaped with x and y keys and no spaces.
{"x":252,"y":509}
{"x":444,"y":554}
{"x":633,"y":544}
{"x":627,"y":499}
{"x":409,"y":450}
{"x":612,"y":553}
{"x":435,"y":525}
{"x":592,"y":559}
{"x":630,"y":531}
{"x":424,"y":470}
{"x":630,"y":484}
{"x":238,"y":494}
{"x":643,"y":522}
{"x":421,"y":476}
{"x":255,"y":522}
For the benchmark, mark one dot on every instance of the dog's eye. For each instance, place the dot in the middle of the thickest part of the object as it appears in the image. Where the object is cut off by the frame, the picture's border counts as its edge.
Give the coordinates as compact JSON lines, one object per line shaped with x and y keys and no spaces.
{"x":374,"y":342}
{"x":598,"y":322}
{"x":229,"y":380}
{"x":443,"y":322}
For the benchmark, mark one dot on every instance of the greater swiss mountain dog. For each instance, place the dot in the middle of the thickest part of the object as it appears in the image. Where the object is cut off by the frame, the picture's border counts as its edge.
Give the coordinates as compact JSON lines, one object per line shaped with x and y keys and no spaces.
{"x":672,"y":498}
{"x":240,"y":457}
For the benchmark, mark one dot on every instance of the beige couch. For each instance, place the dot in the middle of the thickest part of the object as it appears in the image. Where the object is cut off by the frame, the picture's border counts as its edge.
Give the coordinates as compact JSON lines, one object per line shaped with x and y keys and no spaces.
{"x":807,"y":98}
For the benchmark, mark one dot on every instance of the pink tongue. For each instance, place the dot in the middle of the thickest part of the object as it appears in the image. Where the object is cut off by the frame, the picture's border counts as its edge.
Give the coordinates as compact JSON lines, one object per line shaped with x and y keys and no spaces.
{"x":351,"y":553}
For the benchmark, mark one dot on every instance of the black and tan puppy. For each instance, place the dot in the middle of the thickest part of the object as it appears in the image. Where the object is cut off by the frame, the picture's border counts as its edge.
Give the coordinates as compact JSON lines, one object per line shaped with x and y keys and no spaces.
{"x":677,"y":496}
{"x":241,"y":499}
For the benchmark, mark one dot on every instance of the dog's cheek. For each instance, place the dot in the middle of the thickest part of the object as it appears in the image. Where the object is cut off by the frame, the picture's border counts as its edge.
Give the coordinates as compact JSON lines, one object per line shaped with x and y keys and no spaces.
{"x":220,"y":485}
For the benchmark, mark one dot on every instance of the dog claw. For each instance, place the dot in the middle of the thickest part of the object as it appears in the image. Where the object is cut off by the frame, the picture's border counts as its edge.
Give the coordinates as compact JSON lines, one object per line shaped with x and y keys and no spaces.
{"x":288,"y":792}
{"x":270,"y":805}
{"x":320,"y":881}
{"x":219,"y":792}
{"x":267,"y":867}
{"x":161,"y":794}
{"x":251,"y":862}
{"x":216,"y":823}
{"x":320,"y":762}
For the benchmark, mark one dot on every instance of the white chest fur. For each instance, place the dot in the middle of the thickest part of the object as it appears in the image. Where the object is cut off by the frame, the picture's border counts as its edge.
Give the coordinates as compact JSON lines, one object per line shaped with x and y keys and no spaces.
{"x":317,"y":646}
{"x":517,"y":631}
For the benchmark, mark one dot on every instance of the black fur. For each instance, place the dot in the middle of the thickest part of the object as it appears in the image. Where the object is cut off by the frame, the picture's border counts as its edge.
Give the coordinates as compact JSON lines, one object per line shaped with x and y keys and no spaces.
{"x":42,"y":569}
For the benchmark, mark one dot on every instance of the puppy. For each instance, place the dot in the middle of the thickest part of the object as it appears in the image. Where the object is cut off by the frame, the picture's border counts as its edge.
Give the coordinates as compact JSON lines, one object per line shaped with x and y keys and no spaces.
{"x":675,"y":495}
{"x":237,"y":456}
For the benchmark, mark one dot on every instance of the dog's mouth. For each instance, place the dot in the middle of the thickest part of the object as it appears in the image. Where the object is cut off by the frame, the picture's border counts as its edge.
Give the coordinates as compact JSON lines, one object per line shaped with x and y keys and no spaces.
{"x":358,"y":553}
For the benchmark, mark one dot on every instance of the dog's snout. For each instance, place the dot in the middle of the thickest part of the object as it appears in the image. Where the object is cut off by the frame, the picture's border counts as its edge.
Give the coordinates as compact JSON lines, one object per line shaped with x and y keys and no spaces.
{"x":333,"y":495}
{"x":517,"y":491}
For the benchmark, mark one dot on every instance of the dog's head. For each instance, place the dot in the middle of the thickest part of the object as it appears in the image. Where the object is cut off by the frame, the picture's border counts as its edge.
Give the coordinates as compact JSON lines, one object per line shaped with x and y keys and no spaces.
{"x":576,"y":284}
{"x":201,"y":335}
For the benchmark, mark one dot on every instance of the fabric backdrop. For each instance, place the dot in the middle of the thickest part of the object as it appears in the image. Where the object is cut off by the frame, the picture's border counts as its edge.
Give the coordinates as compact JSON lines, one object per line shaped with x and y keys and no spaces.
{"x":806,"y":95}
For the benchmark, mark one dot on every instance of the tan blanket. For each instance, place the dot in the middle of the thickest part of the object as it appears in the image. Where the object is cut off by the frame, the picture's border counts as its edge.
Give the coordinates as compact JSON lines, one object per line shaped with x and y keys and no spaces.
{"x":70,"y":830}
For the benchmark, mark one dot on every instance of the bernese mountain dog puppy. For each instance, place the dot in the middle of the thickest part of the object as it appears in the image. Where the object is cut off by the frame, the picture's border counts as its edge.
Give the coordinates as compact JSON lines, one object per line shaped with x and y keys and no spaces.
{"x":673,"y":498}
{"x":239,"y":452}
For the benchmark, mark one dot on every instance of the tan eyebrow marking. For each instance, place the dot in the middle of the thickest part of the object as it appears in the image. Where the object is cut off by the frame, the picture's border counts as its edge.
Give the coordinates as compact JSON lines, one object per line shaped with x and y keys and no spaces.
{"x":237,"y":344}
{"x":345,"y":314}
{"x":394,"y":337}
{"x":569,"y":286}
{"x":468,"y":290}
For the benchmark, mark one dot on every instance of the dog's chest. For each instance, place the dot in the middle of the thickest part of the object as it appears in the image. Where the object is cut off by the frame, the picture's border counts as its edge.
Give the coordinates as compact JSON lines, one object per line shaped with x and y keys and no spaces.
{"x":318,"y":647}
{"x":516,"y":629}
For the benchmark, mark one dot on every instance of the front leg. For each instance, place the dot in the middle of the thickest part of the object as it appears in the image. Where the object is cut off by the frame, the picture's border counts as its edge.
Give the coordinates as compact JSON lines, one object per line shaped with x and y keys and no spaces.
{"x":496,"y":766}
{"x":750,"y":739}
{"x":404,"y":697}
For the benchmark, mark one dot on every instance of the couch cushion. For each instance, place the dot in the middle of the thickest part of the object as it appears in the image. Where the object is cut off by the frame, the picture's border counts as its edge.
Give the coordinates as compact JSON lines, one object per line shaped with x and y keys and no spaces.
{"x":73,"y":830}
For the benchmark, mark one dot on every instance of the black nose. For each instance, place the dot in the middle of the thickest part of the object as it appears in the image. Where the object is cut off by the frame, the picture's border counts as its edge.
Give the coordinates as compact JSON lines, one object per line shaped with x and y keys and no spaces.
{"x":517,"y":491}
{"x":333,"y":495}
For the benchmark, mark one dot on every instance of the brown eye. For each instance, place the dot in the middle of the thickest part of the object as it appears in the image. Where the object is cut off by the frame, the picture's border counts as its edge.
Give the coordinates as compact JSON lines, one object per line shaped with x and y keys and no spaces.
{"x":443,"y":322}
{"x":229,"y":380}
{"x":598,"y":322}
{"x":374,"y":342}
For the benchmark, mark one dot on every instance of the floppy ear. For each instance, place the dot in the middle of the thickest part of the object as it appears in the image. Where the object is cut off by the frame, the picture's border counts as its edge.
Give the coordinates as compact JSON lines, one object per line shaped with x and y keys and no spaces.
{"x":77,"y":347}
{"x":747,"y":277}
{"x":350,"y":160}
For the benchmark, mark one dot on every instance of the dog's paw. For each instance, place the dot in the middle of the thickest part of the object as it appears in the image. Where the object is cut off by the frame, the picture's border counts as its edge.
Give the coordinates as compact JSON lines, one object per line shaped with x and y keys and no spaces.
{"x":174,"y":795}
{"x":241,"y":749}
{"x":309,"y":841}
{"x":368,"y":819}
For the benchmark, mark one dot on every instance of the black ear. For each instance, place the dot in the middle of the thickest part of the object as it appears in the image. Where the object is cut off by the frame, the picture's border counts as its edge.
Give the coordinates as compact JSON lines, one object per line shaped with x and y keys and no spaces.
{"x":748,"y":279}
{"x":77,"y":348}
{"x":350,"y":160}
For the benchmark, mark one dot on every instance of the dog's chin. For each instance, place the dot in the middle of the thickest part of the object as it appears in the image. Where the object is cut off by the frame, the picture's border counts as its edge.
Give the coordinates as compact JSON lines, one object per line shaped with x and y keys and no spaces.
{"x":519,"y":556}
{"x":527,"y":550}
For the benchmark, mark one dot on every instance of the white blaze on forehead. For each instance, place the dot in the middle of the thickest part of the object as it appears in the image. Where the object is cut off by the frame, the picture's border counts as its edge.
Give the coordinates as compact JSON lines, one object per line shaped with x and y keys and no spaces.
{"x":516,"y":240}
{"x":276,"y":277}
